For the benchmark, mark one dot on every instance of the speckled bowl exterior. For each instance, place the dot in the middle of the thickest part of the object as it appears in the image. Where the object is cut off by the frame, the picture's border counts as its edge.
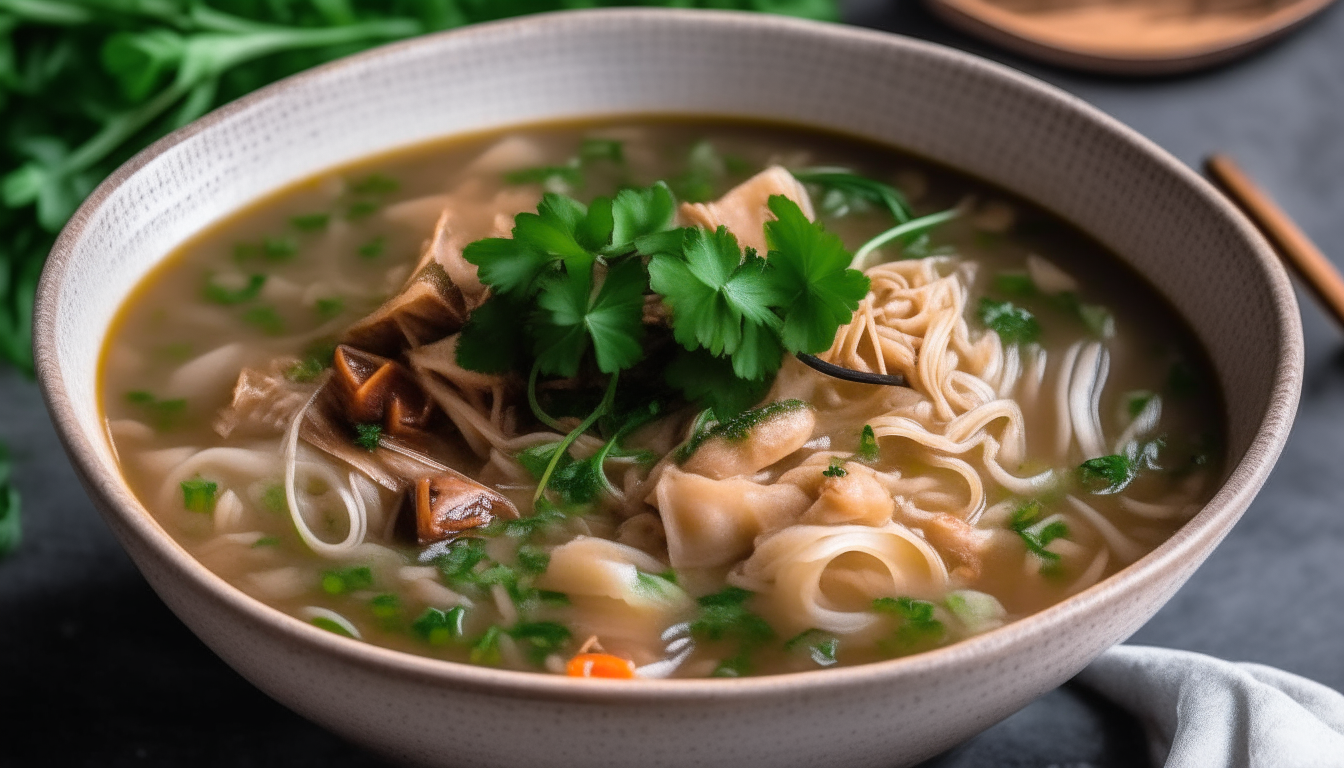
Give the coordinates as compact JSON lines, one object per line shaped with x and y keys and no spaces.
{"x":948,"y":106}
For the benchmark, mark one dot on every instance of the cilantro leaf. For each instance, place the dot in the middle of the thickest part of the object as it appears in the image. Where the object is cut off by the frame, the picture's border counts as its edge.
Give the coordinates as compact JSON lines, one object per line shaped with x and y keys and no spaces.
{"x":819,"y":644}
{"x":1013,"y":324}
{"x":1037,"y":537}
{"x":344,"y":580}
{"x":612,"y":321}
{"x":641,"y":212}
{"x":506,"y":264}
{"x":869,"y":450}
{"x":221,"y":294}
{"x":438,"y":627}
{"x":1106,"y":475}
{"x":916,"y":626}
{"x":198,"y":495}
{"x":713,"y":292}
{"x":846,"y":192}
{"x":494,"y":337}
{"x":820,"y":291}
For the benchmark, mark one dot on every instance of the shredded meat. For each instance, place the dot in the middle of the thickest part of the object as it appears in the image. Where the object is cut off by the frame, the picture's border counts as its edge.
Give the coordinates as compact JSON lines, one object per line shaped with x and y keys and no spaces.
{"x":744,"y":209}
{"x":264,"y":402}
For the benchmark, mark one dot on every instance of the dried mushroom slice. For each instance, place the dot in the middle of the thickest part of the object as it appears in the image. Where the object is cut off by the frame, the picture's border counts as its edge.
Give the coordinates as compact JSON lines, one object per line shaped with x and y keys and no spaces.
{"x":372,"y":389}
{"x":430,"y":307}
{"x":448,"y":504}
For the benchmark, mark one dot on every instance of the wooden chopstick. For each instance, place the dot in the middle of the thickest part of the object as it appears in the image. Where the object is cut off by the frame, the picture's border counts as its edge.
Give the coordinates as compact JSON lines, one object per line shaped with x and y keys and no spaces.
{"x":1294,"y":247}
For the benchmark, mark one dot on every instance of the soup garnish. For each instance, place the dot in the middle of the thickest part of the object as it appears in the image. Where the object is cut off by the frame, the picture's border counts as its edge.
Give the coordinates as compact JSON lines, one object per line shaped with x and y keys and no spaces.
{"x":534,"y":400}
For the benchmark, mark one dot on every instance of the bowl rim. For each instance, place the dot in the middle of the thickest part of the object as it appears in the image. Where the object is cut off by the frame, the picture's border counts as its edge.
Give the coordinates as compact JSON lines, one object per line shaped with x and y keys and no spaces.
{"x":129,"y":518}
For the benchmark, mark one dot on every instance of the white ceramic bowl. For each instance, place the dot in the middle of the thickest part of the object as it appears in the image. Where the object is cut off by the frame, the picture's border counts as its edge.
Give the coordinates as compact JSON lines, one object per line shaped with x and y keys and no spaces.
{"x":948,"y":106}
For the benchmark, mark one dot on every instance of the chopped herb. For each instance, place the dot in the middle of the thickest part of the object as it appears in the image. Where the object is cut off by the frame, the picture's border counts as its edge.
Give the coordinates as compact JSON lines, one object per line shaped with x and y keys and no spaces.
{"x":737,"y":665}
{"x":279,"y":248}
{"x":334,"y":627}
{"x":561,"y":177}
{"x":571,"y":174}
{"x":373,"y":248}
{"x":540,"y":639}
{"x":1037,"y":537}
{"x":486,"y":649}
{"x":551,"y":598}
{"x":222,"y":295}
{"x":459,"y":560}
{"x":375,"y":184}
{"x":653,"y":585}
{"x":705,"y":169}
{"x":834,"y":470}
{"x":916,"y":627}
{"x":11,"y":523}
{"x":177,"y":352}
{"x":1106,"y":475}
{"x":163,"y":415}
{"x":498,"y":573}
{"x":361,"y":209}
{"x":198,"y":495}
{"x":346,"y":580}
{"x":845,"y":192}
{"x":869,"y":450}
{"x":609,"y":150}
{"x":329,"y":308}
{"x":737,"y":428}
{"x":1017,"y":284}
{"x":317,"y":358}
{"x":1013,"y":324}
{"x":266,"y":319}
{"x":311,"y":222}
{"x":724,"y":616}
{"x":273,"y":499}
{"x":670,"y":576}
{"x":266,"y":541}
{"x":819,"y":644}
{"x":1136,"y":402}
{"x":533,"y":561}
{"x":368,"y":435}
{"x":438,"y":627}
{"x":386,"y":608}
{"x":544,"y":515}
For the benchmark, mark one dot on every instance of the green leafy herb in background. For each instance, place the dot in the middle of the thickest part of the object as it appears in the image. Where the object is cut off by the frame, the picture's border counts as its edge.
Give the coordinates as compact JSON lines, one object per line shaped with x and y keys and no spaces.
{"x":85,"y":84}
{"x":11,"y":531}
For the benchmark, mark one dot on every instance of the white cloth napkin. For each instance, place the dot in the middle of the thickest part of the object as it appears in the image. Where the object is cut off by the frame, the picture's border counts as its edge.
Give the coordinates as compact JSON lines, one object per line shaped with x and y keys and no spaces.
{"x":1202,"y":712}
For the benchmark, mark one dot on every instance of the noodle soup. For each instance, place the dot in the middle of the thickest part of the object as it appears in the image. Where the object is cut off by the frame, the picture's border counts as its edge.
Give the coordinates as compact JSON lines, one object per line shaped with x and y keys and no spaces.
{"x":581,"y":399}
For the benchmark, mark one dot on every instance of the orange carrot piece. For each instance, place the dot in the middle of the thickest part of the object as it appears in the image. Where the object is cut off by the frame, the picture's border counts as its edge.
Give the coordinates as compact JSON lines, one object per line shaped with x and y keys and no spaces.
{"x":601,"y":665}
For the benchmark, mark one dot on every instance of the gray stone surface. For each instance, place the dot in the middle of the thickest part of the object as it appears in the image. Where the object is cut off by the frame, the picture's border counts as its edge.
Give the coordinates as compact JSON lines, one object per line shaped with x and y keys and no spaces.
{"x":94,"y":671}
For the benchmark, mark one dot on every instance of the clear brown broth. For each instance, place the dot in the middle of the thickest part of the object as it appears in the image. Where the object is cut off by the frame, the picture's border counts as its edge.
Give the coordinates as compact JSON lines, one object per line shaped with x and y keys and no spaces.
{"x":165,"y":323}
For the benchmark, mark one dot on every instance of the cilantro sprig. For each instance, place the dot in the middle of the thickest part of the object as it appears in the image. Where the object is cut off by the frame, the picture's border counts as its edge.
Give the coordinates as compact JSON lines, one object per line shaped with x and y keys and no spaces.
{"x":570,"y":287}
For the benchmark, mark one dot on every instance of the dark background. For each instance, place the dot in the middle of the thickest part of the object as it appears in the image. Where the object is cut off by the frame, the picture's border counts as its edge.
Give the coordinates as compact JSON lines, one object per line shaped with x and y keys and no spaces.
{"x":94,"y":670}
